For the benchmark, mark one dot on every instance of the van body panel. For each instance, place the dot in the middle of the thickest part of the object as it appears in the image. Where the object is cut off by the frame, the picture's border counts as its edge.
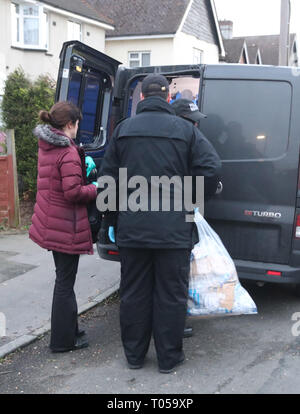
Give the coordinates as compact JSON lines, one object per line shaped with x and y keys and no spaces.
{"x":251,"y":124}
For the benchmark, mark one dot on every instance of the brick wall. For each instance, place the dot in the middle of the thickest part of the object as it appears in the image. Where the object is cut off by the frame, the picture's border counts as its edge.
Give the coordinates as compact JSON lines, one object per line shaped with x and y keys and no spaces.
{"x":8,"y":189}
{"x":7,"y":197}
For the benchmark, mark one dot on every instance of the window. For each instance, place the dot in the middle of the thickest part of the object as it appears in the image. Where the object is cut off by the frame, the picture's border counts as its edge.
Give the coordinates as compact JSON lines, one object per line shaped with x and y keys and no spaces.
{"x":138,"y":59}
{"x":91,"y":92}
{"x":253,"y":124}
{"x":74,"y":31}
{"x":197,"y":56}
{"x":186,"y":87}
{"x":29,"y":26}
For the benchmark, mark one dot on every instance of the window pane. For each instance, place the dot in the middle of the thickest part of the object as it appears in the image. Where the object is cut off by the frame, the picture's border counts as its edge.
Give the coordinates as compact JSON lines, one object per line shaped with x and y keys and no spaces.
{"x":89,"y":110}
{"x":45,"y":29}
{"x":197,"y":56}
{"x":134,"y":56}
{"x":146,"y":59}
{"x":30,"y":10}
{"x":255,"y":125}
{"x":18,"y":29}
{"x":31,"y":31}
{"x":134,"y":63}
{"x":74,"y":88}
{"x":181,"y":87}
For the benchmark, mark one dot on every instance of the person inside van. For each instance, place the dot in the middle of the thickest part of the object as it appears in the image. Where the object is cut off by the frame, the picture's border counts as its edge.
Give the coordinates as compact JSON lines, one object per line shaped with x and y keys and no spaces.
{"x":60,"y":221}
{"x":188,"y":110}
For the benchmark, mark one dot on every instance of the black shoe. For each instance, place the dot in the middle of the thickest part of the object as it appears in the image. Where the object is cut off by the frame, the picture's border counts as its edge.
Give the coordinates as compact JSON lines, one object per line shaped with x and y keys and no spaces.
{"x":79,"y":344}
{"x":135,"y":366}
{"x":168,"y":371}
{"x":188,"y":332}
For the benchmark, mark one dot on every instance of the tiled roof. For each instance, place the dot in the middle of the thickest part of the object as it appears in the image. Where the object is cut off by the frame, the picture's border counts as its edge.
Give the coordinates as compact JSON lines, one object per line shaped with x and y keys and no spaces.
{"x":268,"y":46}
{"x":142,"y":17}
{"x":233,"y":49}
{"x":82,"y":8}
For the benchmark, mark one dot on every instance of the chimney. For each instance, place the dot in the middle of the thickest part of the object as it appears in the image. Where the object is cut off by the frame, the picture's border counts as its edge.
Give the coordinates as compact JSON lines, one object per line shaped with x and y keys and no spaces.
{"x":226,"y":27}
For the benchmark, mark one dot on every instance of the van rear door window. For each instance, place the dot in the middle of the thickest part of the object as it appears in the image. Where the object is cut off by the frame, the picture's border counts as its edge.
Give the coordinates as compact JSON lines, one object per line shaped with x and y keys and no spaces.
{"x":180,"y":87}
{"x":247,"y":120}
{"x":91,"y":91}
{"x":91,"y":99}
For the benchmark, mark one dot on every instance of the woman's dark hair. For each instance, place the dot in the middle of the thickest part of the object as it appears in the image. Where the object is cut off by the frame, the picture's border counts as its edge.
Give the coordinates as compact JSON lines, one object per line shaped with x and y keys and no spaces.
{"x":60,"y":114}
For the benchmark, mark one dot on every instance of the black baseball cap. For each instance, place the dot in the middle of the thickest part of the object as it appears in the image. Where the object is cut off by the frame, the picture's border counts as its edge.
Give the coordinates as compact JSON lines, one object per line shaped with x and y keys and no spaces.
{"x":187,"y":109}
{"x":155,"y":83}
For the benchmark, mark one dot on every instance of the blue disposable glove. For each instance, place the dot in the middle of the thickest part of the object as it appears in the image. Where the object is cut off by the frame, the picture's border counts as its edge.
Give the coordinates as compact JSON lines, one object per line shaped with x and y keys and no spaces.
{"x":90,"y":165}
{"x":111,"y":234}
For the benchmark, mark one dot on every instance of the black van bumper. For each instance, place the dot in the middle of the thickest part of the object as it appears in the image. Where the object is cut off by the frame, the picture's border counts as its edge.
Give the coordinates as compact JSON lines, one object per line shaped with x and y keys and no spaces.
{"x":108,"y":251}
{"x":257,"y":271}
{"x":247,"y":270}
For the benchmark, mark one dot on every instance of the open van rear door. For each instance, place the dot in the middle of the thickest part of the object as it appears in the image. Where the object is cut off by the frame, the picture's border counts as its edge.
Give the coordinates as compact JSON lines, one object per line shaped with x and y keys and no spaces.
{"x":86,"y":78}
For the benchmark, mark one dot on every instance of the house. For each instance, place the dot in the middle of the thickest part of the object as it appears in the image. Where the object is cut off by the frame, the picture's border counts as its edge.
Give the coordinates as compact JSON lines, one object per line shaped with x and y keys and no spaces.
{"x":32,"y":33}
{"x":269,"y":48}
{"x":236,"y":51}
{"x":162,"y":32}
{"x":255,"y":50}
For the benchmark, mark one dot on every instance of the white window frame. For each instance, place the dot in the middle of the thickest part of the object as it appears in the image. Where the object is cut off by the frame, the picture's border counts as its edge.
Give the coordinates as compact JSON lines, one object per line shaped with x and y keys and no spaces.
{"x":197,"y":56}
{"x":139,"y":59}
{"x":70,"y":36}
{"x":43,"y":28}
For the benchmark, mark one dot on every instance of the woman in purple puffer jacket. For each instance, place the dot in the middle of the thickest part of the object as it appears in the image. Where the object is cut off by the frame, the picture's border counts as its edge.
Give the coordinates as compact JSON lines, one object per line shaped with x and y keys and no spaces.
{"x":60,"y":221}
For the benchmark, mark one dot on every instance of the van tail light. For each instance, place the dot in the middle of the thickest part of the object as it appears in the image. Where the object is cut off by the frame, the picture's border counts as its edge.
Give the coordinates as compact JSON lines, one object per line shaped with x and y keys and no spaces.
{"x":113,"y":252}
{"x":272,"y":273}
{"x":297,"y":231}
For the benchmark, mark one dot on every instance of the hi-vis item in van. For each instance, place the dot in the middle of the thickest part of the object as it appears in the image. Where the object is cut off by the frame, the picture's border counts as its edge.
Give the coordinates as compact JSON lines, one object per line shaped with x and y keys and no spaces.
{"x":214,"y":287}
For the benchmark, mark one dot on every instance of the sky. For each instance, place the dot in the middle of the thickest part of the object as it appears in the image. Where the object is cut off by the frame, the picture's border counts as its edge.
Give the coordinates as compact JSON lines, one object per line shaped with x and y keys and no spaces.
{"x":257,"y":17}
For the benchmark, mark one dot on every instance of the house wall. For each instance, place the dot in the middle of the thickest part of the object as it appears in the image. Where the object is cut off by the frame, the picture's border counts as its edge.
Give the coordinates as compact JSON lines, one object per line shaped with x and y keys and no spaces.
{"x":39,"y":62}
{"x":161,"y":50}
{"x":183,"y":50}
{"x":171,"y":51}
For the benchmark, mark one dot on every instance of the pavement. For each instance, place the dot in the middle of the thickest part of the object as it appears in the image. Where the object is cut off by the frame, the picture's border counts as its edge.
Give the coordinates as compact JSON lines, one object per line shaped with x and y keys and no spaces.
{"x":27,"y":276}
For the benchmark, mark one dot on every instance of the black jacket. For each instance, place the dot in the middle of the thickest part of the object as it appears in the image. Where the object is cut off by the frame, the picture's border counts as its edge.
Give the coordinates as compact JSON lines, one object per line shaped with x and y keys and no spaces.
{"x":158,"y":143}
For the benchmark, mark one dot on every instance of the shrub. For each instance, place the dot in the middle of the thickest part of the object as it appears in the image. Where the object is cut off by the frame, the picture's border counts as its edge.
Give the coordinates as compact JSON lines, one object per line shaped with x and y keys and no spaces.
{"x":21,"y":104}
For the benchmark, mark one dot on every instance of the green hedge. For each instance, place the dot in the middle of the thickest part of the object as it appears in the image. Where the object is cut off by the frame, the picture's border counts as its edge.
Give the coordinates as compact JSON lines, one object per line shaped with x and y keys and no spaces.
{"x":21,"y":104}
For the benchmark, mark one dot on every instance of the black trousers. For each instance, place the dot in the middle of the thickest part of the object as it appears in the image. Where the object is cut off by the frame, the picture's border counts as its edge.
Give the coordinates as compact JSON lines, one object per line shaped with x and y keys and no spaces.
{"x":64,"y":324}
{"x":153,"y":293}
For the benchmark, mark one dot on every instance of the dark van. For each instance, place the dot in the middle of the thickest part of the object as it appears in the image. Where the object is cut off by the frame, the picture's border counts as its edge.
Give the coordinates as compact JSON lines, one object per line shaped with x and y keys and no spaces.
{"x":254,"y":124}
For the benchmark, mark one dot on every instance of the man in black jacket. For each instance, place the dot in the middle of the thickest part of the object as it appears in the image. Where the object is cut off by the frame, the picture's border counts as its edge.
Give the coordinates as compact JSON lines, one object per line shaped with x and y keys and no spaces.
{"x":155,"y":246}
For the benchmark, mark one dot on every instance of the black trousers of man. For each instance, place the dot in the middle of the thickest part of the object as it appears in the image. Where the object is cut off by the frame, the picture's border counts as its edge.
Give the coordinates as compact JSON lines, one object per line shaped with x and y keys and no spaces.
{"x":64,"y":324}
{"x":153,"y":293}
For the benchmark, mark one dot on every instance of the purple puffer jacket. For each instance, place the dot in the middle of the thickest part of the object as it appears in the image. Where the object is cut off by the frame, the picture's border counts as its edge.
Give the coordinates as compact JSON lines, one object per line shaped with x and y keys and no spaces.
{"x":60,"y":221}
